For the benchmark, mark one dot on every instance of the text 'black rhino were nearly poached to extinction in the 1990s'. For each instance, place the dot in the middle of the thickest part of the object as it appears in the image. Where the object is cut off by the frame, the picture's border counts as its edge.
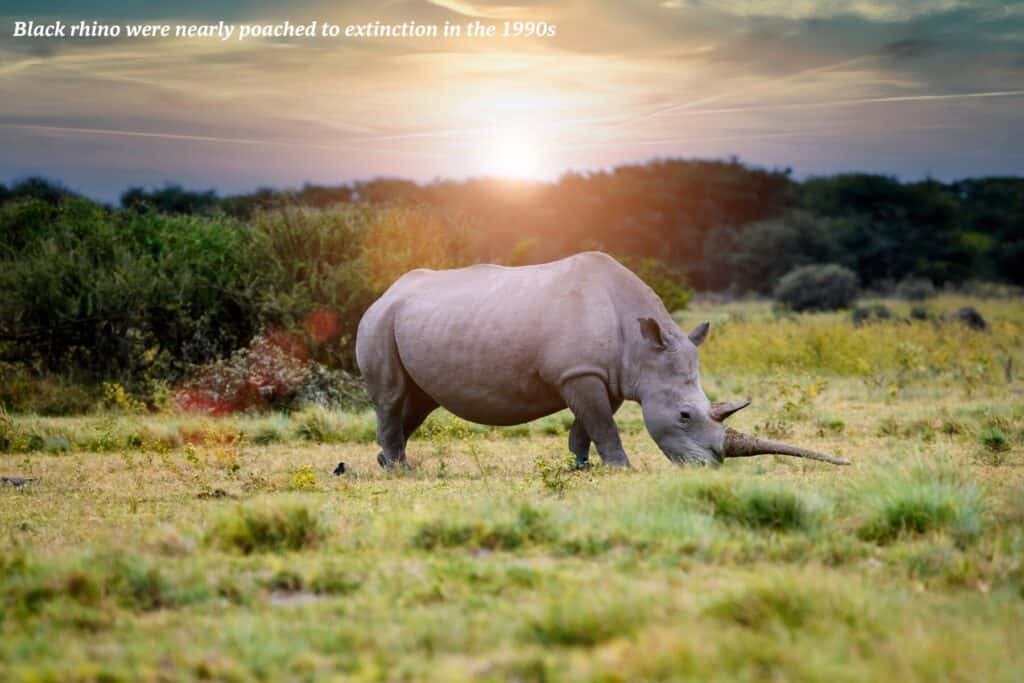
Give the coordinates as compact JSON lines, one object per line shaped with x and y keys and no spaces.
{"x":503,"y":346}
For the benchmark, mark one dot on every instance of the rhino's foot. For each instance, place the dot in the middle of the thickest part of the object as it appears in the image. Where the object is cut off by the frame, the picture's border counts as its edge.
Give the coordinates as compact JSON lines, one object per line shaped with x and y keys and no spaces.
{"x":390,"y":465}
{"x":617,"y":463}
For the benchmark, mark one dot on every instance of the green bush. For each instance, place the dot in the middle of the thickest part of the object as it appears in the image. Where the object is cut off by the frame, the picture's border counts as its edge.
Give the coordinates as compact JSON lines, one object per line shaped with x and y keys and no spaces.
{"x":817,"y":288}
{"x":102,"y":295}
{"x":324,"y":267}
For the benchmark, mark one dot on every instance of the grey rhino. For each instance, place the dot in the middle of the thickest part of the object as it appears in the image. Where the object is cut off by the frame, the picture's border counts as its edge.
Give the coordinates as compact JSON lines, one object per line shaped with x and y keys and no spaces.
{"x":501,"y":346}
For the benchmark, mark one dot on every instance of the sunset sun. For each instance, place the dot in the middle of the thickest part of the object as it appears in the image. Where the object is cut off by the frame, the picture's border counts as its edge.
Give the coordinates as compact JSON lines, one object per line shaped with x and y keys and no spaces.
{"x":513,"y":154}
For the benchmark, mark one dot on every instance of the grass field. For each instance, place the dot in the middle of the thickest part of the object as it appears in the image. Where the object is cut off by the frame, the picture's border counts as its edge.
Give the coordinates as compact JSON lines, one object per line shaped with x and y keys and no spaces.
{"x":169,"y":547}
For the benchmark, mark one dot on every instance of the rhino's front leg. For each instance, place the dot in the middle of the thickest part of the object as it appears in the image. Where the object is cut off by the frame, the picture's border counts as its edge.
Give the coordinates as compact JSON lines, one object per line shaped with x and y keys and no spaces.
{"x":579,"y":444}
{"x":579,"y":440}
{"x":587,"y":398}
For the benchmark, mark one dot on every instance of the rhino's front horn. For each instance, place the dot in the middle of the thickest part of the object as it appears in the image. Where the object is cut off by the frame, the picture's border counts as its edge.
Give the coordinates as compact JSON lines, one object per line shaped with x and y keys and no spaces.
{"x":740,"y":445}
{"x":723,"y":409}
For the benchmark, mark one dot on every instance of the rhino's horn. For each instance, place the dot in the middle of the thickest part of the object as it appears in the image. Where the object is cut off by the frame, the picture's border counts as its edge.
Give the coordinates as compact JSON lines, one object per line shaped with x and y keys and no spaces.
{"x":723,"y":409}
{"x":740,"y":445}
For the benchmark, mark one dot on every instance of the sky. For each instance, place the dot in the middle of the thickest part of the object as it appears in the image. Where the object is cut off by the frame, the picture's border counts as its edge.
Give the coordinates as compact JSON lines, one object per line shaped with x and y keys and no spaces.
{"x":914,"y":88}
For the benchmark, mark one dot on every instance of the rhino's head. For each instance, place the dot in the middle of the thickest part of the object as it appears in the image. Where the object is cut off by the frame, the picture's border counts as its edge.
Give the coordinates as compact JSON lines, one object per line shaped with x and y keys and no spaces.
{"x":679,"y":417}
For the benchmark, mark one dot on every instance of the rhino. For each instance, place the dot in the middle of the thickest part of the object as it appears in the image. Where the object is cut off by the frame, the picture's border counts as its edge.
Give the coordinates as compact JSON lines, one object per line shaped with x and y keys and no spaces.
{"x":500,"y":345}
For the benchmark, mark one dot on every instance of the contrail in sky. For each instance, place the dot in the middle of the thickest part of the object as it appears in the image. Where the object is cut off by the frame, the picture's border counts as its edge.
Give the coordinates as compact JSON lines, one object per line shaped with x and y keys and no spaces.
{"x":194,"y":138}
{"x":488,"y":130}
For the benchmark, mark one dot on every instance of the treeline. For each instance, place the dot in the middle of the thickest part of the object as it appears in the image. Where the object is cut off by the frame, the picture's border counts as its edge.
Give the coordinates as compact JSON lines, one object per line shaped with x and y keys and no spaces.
{"x":726,"y":224}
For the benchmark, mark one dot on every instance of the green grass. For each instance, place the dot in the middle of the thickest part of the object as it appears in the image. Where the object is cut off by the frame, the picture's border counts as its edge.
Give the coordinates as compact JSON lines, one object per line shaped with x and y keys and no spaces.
{"x":175,"y":547}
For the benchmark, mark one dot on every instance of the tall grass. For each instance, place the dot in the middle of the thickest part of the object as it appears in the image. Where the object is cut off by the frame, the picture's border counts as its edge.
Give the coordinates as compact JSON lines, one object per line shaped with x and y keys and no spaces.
{"x":898,"y":351}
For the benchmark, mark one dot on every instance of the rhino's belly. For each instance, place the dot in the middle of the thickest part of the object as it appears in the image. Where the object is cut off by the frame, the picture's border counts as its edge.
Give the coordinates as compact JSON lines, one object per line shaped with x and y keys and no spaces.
{"x":495,"y":396}
{"x":485,"y":378}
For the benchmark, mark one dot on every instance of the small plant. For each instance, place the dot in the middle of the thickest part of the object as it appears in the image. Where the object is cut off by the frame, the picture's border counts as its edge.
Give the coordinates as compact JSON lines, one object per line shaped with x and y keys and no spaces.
{"x":830,"y":424}
{"x":115,"y":396}
{"x":994,"y":440}
{"x":444,"y":431}
{"x":304,"y":478}
{"x":555,"y":474}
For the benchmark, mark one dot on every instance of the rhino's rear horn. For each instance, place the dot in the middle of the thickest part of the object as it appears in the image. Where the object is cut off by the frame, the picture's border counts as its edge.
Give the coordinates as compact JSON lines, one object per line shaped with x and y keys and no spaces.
{"x":739,"y":445}
{"x":723,"y":409}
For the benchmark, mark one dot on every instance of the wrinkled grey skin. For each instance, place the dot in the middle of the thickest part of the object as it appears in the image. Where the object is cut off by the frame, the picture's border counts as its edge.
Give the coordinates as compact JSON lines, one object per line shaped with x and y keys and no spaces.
{"x":503,"y":346}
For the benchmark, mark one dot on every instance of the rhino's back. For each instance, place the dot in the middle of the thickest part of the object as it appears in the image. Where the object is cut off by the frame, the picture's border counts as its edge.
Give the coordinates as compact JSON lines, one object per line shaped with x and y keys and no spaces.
{"x":492,"y":343}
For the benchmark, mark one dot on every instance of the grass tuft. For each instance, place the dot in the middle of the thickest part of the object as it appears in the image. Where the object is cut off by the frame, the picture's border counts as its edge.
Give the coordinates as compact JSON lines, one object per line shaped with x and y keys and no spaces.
{"x":586,"y":619}
{"x":994,"y":440}
{"x":759,"y":505}
{"x":530,"y":526}
{"x":760,"y":605}
{"x":912,"y":506}
{"x":265,"y":528}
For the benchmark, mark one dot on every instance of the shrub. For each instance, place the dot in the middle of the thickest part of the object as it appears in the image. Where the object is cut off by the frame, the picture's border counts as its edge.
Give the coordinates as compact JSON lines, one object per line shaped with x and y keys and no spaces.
{"x":817,"y":288}
{"x":915,"y":289}
{"x":121,"y":295}
{"x":325,"y":267}
{"x":274,"y":371}
{"x":23,"y":390}
{"x":264,"y":528}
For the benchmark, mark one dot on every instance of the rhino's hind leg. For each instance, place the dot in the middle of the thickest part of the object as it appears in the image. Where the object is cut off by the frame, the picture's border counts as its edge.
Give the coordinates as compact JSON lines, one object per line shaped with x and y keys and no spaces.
{"x":579,"y":440}
{"x":397,"y":421}
{"x":587,"y":398}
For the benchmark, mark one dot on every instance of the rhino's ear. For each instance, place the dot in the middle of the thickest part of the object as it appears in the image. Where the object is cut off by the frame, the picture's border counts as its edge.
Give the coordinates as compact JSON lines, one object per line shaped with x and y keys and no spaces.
{"x":651,"y":331}
{"x":700,"y":333}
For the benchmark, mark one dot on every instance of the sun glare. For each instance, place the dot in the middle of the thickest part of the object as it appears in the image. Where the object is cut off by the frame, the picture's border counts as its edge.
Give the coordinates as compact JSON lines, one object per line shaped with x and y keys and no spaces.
{"x":512,"y":154}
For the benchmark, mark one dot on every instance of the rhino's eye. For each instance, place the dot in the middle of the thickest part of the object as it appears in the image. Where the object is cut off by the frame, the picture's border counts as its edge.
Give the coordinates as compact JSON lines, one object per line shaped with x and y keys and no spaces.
{"x":684,"y":415}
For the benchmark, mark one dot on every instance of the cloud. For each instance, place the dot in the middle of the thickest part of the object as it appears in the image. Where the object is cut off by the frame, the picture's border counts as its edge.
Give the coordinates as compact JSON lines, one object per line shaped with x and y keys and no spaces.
{"x":709,"y":77}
